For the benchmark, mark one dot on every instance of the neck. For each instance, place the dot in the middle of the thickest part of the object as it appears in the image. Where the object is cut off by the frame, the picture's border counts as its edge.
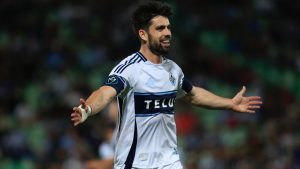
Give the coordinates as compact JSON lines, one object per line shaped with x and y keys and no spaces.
{"x":150,"y":56}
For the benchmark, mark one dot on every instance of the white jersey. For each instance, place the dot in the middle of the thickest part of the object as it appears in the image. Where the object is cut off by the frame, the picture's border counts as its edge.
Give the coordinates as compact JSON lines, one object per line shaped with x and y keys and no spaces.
{"x":146,"y":135}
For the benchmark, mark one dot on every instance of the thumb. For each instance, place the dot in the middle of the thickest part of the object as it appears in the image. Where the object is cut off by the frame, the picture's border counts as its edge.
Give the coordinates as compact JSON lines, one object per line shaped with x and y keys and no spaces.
{"x":82,"y":102}
{"x":242,"y":91}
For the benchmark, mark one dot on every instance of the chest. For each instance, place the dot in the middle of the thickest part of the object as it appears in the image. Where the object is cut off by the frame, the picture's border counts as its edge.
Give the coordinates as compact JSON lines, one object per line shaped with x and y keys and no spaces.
{"x":154,"y":79}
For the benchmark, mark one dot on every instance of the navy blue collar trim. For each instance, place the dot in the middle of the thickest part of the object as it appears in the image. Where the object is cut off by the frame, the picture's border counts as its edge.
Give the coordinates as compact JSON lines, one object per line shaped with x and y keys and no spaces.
{"x":142,"y":56}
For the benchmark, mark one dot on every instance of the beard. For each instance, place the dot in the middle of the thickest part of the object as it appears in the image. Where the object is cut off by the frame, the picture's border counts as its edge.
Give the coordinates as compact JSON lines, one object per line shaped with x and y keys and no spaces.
{"x":157,"y":48}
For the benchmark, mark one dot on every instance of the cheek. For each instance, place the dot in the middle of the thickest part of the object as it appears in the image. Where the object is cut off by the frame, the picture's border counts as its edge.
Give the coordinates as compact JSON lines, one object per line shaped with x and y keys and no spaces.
{"x":154,"y":35}
{"x":155,"y":39}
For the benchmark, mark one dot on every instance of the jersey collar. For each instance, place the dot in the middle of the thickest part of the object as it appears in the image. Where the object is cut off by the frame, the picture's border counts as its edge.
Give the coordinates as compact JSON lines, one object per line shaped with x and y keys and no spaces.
{"x":142,"y":56}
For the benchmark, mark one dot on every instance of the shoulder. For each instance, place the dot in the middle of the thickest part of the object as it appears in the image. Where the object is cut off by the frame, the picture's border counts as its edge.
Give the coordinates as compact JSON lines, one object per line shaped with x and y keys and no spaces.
{"x":129,"y":66}
{"x":173,"y":64}
{"x":128,"y":63}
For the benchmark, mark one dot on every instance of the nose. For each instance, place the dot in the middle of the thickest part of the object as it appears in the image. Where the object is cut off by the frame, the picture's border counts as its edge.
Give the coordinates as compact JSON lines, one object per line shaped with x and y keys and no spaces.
{"x":167,"y":32}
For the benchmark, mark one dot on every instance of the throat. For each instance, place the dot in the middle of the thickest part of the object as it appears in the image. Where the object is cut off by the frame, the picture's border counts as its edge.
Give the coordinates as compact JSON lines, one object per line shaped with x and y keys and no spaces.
{"x":151,"y":57}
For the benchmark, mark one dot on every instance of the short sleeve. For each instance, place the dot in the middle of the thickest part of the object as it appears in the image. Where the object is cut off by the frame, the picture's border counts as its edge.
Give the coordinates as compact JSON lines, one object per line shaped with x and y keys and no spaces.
{"x":186,"y":85}
{"x":116,"y":81}
{"x":123,"y":75}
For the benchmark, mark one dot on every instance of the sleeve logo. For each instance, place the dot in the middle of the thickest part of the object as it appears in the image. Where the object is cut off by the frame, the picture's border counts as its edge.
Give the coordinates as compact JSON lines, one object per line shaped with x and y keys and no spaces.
{"x":112,"y":80}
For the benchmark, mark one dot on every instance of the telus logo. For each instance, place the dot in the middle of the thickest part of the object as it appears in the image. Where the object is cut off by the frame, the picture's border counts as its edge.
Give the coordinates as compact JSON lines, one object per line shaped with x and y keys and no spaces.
{"x":157,"y":104}
{"x":153,"y":103}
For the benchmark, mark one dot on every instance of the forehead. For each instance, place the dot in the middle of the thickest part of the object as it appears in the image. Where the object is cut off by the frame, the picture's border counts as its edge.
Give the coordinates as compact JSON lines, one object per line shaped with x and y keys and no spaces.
{"x":159,"y":20}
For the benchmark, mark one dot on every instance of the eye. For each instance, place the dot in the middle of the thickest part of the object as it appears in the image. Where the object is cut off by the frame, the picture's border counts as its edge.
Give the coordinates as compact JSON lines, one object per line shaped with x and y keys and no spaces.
{"x":160,"y":28}
{"x":169,"y":27}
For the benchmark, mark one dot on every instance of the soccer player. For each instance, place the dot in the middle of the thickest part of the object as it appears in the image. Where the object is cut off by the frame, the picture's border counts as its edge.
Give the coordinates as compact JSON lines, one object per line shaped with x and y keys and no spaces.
{"x":146,"y":85}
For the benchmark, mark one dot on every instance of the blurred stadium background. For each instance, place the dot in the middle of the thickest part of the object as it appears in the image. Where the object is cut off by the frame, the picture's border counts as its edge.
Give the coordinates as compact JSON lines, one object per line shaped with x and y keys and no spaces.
{"x":52,"y":52}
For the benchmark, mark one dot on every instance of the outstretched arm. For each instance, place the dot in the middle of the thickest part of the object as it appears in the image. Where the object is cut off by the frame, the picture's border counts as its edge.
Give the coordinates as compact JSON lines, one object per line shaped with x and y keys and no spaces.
{"x":239,"y":103}
{"x":94,"y":104}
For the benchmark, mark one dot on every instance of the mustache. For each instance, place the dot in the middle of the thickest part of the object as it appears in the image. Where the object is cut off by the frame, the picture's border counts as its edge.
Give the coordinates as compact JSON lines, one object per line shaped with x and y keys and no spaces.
{"x":167,"y":37}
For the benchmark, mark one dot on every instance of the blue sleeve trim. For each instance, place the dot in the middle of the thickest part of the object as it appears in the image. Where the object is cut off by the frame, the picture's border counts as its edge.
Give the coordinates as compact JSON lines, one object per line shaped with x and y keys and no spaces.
{"x":115,"y":81}
{"x":186,"y":85}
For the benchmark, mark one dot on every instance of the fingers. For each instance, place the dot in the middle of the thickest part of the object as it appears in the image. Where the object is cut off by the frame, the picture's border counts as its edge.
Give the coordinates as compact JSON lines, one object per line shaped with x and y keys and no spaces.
{"x":252,"y":98}
{"x":76,"y":116}
{"x":250,"y":111}
{"x":75,"y":120}
{"x":255,"y":103}
{"x":253,"y":107}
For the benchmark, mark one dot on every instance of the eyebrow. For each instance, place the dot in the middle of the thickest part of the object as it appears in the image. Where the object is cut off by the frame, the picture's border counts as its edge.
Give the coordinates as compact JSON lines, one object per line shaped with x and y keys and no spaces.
{"x":163,"y":26}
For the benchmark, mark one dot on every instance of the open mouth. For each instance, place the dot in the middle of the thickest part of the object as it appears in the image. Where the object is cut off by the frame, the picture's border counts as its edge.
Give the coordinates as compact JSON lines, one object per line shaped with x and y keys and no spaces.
{"x":165,"y":42}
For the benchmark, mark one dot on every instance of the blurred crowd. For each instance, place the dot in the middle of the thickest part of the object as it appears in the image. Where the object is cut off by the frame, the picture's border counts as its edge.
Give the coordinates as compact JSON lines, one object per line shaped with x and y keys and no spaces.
{"x":52,"y":52}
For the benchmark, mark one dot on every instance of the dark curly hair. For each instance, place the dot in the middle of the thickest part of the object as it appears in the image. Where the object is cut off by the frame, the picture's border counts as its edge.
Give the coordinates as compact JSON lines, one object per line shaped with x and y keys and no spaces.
{"x":143,"y":14}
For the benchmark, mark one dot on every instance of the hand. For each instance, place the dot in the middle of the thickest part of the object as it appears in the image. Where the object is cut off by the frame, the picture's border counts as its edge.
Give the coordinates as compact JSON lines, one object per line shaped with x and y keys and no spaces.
{"x":80,"y":113}
{"x":245,"y":104}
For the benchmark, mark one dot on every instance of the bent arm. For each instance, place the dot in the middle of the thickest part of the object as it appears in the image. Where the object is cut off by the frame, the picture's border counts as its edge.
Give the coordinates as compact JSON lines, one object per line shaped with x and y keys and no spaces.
{"x":100,"y":98}
{"x":203,"y":98}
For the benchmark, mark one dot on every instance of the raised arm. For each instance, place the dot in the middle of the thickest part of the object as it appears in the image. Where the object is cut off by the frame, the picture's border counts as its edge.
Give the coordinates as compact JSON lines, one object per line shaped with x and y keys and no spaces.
{"x":94,"y":104}
{"x":239,"y":103}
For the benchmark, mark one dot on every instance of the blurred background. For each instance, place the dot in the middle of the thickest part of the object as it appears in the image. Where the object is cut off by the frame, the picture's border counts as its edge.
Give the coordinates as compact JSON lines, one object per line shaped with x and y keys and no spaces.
{"x":52,"y":52}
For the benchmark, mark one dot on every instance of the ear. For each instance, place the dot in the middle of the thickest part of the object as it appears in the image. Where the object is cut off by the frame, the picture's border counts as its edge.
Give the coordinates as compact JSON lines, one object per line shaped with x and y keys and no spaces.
{"x":143,"y":35}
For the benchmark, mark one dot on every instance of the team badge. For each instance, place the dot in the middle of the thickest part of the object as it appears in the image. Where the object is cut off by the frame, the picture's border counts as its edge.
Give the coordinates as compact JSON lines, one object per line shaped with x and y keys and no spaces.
{"x":172,"y":79}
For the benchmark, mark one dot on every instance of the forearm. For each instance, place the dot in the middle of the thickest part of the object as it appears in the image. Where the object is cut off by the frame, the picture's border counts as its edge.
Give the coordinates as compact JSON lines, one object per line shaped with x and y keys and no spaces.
{"x":100,"y":98}
{"x":201,"y":97}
